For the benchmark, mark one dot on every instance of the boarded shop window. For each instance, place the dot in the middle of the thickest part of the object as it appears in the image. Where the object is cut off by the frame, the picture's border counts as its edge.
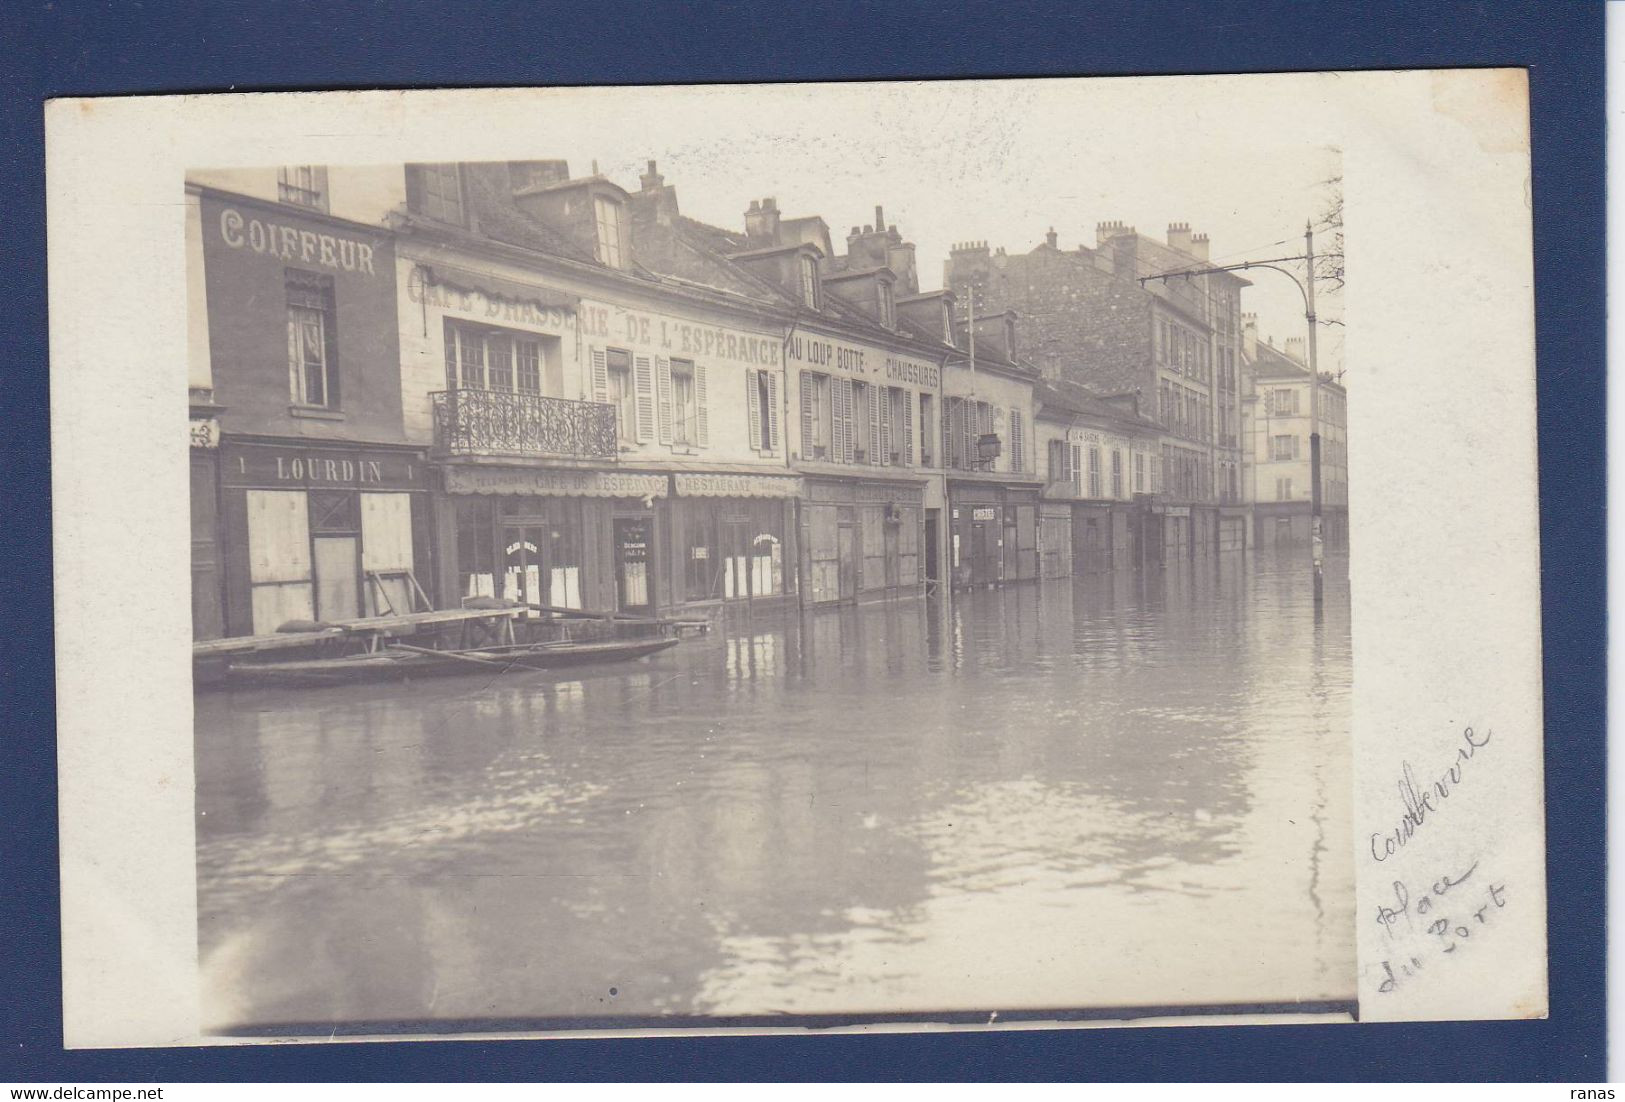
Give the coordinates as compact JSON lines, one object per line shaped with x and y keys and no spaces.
{"x":386,"y":549}
{"x":435,"y":191}
{"x":303,"y":186}
{"x":476,"y":571}
{"x":279,"y":573}
{"x":312,"y":373}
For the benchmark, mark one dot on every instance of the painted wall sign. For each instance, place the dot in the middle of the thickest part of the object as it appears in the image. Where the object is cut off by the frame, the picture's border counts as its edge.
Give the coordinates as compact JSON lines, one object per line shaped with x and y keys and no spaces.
{"x":681,"y":337}
{"x":737,"y":485}
{"x":296,"y":466}
{"x":820,"y":354}
{"x":519,"y":480}
{"x":285,"y":242}
{"x":984,"y":513}
{"x":479,"y":305}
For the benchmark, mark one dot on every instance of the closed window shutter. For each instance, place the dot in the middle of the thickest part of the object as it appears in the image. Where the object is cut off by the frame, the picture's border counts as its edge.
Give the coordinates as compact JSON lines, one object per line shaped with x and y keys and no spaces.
{"x":876,"y":447}
{"x":752,"y":411}
{"x":643,"y":372}
{"x":663,"y":396}
{"x":600,"y":375}
{"x":1015,"y":440}
{"x":841,"y":389}
{"x":908,"y":428}
{"x":1077,"y":469}
{"x":954,"y":430}
{"x":774,"y":440}
{"x":700,"y":405}
{"x":809,"y":396}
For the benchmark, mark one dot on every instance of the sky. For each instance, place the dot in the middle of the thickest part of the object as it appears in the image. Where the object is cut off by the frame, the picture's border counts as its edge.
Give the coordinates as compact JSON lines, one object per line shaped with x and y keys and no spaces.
{"x":1244,"y":159}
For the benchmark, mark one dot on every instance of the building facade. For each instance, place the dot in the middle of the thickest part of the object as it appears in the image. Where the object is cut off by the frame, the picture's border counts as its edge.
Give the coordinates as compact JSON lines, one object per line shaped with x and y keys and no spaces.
{"x":1276,"y":430}
{"x":1175,"y":344}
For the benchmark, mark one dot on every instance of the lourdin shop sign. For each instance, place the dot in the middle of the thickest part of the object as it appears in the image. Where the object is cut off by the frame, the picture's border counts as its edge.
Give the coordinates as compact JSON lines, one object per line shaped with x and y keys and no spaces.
{"x":293,"y":467}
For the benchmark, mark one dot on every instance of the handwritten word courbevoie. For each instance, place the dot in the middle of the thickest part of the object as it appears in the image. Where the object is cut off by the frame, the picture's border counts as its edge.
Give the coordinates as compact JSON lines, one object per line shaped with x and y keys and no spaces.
{"x":1423,"y":803}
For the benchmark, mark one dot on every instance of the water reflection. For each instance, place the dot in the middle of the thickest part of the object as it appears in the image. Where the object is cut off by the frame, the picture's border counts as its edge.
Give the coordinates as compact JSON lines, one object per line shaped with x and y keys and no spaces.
{"x":1108,"y":791}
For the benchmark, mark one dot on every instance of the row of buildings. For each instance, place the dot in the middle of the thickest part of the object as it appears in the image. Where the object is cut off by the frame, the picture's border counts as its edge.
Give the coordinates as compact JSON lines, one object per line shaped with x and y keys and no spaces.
{"x":432,"y":382}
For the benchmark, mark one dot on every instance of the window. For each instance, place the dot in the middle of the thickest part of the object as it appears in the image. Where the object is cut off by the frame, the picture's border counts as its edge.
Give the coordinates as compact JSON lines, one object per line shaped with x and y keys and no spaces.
{"x":1139,"y":472}
{"x":684,"y":404}
{"x":888,"y":310}
{"x":863,"y":441}
{"x":1018,"y":441}
{"x":947,"y":324}
{"x":1285,"y":447}
{"x":815,"y":416}
{"x":1285,"y":401}
{"x":1283,"y":489}
{"x":622,"y":394}
{"x":1094,"y":471}
{"x":899,"y":414}
{"x":478,"y":358}
{"x":312,"y":374}
{"x":763,"y":406}
{"x":607,"y":220}
{"x":809,"y":281}
{"x":1117,"y":473}
{"x":1058,"y":455}
{"x":927,"y":420}
{"x":435,"y":191}
{"x":303,"y":186}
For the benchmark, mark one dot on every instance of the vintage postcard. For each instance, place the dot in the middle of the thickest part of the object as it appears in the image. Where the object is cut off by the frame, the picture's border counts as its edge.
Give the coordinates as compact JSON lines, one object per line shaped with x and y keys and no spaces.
{"x":917,"y":555}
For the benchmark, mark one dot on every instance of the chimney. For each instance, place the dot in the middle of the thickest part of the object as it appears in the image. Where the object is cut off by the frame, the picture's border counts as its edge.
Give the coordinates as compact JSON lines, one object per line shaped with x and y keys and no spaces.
{"x":1249,"y":336}
{"x":762,"y":223}
{"x":653,"y":188}
{"x":1179,"y":236}
{"x":1049,"y":238}
{"x":537,"y":174}
{"x":1199,"y":246}
{"x":1105,"y":231}
{"x":1294,"y":349}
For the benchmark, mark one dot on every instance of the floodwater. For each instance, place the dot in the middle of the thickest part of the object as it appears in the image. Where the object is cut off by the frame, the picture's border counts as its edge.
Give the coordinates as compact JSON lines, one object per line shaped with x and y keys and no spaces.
{"x":1115,"y":791}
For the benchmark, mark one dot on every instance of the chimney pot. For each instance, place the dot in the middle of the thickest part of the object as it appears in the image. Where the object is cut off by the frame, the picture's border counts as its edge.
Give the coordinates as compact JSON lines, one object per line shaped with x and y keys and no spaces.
{"x":755,"y":204}
{"x":880,"y":217}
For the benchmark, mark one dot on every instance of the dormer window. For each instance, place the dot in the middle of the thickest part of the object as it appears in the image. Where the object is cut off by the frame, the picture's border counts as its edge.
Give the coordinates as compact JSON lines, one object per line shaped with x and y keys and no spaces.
{"x":607,"y":220}
{"x":809,"y":281}
{"x":888,"y":307}
{"x":303,"y":186}
{"x":1010,"y":337}
{"x":435,"y":191}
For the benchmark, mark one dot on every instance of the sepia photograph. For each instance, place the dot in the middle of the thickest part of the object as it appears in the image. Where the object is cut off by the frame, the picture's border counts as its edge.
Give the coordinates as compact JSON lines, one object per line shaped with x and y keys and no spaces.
{"x":827,"y":556}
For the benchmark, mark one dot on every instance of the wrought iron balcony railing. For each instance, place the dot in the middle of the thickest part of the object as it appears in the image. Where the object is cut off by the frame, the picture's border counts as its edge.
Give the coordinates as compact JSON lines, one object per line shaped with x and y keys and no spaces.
{"x":514,"y":423}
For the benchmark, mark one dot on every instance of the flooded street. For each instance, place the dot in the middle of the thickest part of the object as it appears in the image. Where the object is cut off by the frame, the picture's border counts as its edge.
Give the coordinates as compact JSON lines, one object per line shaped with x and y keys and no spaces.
{"x":1119,"y":791}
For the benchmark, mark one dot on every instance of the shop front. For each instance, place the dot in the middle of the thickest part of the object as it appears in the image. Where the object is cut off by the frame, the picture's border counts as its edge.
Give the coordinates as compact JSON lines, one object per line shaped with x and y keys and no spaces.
{"x":732,"y":537}
{"x":1176,"y":534}
{"x":1092,"y":546}
{"x":1232,"y":528}
{"x":993,"y":533}
{"x":560,"y":538}
{"x":320,"y":531}
{"x":1055,"y":539}
{"x":861,"y":539}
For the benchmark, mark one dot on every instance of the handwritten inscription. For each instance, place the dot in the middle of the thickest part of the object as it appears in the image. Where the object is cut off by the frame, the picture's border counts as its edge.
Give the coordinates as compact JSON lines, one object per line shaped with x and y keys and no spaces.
{"x":1424,"y":802}
{"x":1445,"y":927}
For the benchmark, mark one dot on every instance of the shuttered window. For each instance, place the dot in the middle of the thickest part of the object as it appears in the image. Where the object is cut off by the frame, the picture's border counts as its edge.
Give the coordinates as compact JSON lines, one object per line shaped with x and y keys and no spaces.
{"x":435,"y":191}
{"x":1018,"y":442}
{"x":762,"y":409}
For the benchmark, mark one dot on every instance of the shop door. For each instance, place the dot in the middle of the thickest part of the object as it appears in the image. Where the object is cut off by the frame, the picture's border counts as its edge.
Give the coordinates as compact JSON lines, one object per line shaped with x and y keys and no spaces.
{"x":338,"y":593}
{"x":847,"y":537}
{"x":633,"y":592}
{"x":522,"y":556}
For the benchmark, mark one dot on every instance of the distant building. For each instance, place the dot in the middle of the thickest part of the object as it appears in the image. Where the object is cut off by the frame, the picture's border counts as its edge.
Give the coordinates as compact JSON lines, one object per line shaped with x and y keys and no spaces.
{"x":1176,"y":343}
{"x":1275,"y":427}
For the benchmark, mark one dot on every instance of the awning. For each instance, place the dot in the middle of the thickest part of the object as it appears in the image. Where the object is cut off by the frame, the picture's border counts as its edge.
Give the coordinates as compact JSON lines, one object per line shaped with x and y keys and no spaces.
{"x":532,"y":481}
{"x":497,"y":287}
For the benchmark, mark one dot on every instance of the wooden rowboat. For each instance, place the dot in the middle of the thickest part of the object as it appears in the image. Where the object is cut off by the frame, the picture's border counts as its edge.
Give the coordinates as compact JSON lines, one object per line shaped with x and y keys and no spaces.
{"x":396,"y":661}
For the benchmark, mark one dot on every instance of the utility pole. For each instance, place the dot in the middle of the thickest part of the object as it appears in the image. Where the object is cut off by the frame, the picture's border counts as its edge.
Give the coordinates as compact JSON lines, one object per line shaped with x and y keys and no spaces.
{"x":1317,"y":543}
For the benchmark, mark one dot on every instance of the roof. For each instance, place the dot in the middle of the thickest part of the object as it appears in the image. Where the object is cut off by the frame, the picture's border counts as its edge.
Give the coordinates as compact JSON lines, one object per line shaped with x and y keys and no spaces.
{"x":1068,"y":397}
{"x":1269,"y":362}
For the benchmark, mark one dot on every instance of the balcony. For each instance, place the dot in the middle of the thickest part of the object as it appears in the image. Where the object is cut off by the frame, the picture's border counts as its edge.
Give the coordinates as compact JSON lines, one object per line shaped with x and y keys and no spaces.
{"x":513,"y":423}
